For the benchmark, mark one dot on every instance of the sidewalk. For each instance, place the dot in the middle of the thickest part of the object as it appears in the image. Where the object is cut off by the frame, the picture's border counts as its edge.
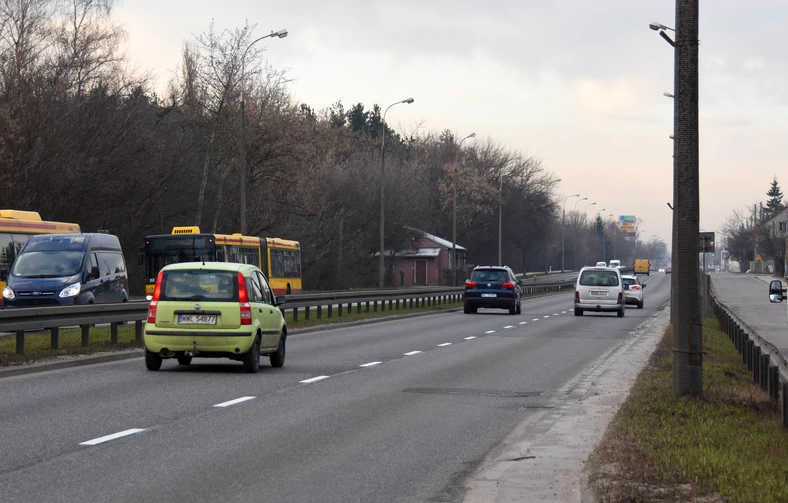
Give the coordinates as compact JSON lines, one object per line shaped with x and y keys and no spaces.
{"x":748,"y":297}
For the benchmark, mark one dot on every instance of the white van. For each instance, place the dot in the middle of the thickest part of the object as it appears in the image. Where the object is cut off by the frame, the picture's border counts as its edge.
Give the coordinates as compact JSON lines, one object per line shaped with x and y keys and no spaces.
{"x":599,"y":289}
{"x":615,"y":263}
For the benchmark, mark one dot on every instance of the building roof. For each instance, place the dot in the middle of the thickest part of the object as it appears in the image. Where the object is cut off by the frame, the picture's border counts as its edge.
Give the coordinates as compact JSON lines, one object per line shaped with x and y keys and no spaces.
{"x":436,"y":239}
{"x":419,"y":253}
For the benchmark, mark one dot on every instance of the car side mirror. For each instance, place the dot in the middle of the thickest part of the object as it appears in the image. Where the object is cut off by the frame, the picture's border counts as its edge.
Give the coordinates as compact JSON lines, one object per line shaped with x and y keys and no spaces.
{"x":643,"y":286}
{"x":280,"y":299}
{"x":626,"y":287}
{"x":776,"y":291}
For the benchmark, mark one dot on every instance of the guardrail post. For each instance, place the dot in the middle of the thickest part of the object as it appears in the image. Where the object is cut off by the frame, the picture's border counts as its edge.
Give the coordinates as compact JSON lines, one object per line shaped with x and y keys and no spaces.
{"x":755,"y":353}
{"x":764,"y":372}
{"x":785,"y":404}
{"x":330,"y":308}
{"x":54,"y":333}
{"x":20,"y":342}
{"x":411,"y":302}
{"x":138,"y":331}
{"x":319,"y":312}
{"x":306,"y":312}
{"x":339,"y":309}
{"x":85,"y":335}
{"x":774,"y":383}
{"x":113,"y":332}
{"x":295,"y":314}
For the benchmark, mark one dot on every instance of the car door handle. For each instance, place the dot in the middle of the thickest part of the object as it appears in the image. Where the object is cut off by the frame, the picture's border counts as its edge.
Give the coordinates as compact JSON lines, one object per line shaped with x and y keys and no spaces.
{"x":261,"y":310}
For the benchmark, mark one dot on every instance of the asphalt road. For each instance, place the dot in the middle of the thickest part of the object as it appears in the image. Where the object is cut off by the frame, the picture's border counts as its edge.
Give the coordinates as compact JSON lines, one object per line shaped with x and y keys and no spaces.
{"x":448,"y":389}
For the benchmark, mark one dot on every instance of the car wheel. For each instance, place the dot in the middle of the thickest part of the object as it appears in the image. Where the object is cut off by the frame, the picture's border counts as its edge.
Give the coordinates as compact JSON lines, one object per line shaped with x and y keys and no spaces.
{"x":578,"y":312}
{"x":513,"y":309}
{"x":520,"y":307}
{"x":467,"y":309}
{"x":278,"y":357}
{"x":640,"y":305}
{"x":620,"y":314}
{"x":184,"y":360}
{"x":152,"y":360}
{"x":251,"y":359}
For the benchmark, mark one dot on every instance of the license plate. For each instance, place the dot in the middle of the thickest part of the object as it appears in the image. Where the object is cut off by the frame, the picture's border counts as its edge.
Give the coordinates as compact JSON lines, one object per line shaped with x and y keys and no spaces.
{"x":598,"y":292}
{"x":489,"y":295}
{"x":197,"y":319}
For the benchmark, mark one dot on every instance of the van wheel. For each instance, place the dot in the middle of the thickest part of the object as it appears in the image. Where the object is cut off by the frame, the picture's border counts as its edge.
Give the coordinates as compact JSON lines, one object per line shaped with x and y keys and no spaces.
{"x":278,"y":357}
{"x":620,"y":314}
{"x":184,"y":360}
{"x":251,"y":360}
{"x":152,"y":360}
{"x":578,"y":312}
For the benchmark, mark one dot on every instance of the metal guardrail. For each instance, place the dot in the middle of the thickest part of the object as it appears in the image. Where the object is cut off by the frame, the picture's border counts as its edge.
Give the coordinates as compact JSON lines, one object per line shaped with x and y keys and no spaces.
{"x":766,"y":362}
{"x":20,"y":320}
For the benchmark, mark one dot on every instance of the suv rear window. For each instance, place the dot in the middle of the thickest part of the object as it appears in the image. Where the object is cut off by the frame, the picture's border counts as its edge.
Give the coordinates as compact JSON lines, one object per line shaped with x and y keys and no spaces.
{"x":629,"y":281}
{"x":493,"y":275}
{"x":598,"y":278}
{"x":219,"y":286}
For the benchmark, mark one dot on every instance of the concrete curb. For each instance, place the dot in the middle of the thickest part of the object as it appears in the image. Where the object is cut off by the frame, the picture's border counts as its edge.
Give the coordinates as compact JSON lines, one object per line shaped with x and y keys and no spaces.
{"x":77,"y":361}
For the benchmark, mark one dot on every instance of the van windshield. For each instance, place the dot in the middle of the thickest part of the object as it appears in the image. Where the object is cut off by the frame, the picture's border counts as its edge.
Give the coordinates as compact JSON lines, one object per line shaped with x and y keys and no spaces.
{"x":599,"y":278}
{"x":48,"y":264}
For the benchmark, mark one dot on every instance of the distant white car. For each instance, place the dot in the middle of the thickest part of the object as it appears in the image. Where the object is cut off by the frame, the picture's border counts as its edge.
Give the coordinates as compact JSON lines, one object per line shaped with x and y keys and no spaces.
{"x":615,"y":263}
{"x":601,"y":264}
{"x":633,"y":290}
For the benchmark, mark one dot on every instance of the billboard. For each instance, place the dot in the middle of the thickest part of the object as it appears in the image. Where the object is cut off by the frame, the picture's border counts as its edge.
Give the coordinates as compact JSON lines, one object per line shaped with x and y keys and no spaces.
{"x":627,"y":223}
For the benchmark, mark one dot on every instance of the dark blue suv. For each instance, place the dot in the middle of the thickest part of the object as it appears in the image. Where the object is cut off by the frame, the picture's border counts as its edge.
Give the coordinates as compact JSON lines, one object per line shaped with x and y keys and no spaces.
{"x":494,"y":287}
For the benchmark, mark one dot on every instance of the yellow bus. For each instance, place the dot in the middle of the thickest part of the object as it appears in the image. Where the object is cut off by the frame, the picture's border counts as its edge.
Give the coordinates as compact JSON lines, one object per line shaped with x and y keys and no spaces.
{"x":279,"y":259}
{"x":15,"y":229}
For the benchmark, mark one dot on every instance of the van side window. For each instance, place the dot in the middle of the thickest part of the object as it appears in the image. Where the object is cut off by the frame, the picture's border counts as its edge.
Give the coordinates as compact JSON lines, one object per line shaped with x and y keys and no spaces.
{"x":93,"y":262}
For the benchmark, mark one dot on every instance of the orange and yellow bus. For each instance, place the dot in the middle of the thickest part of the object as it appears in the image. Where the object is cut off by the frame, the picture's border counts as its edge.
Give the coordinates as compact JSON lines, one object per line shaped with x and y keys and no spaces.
{"x":16,"y":227}
{"x":279,"y":259}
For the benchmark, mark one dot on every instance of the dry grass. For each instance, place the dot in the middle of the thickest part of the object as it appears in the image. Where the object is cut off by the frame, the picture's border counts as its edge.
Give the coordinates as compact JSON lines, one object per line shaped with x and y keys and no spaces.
{"x":728,"y":445}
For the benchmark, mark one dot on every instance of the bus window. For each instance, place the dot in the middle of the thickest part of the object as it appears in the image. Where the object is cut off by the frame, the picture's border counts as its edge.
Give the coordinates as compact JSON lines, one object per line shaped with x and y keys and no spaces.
{"x":251,"y":256}
{"x":285,"y":263}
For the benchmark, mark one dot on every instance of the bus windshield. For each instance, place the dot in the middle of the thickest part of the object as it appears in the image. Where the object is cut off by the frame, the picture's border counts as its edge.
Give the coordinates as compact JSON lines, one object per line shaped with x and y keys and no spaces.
{"x":171,"y":249}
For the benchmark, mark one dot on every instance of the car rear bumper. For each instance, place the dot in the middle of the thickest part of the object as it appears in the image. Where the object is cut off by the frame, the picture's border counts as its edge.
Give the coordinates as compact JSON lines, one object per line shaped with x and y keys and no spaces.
{"x":231,"y":341}
{"x":593,"y":306}
{"x":633,"y":300}
{"x":491,"y":302}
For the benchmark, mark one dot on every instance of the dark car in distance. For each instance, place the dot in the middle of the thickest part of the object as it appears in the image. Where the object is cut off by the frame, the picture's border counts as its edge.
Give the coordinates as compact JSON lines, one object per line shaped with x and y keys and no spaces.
{"x":492,"y":287}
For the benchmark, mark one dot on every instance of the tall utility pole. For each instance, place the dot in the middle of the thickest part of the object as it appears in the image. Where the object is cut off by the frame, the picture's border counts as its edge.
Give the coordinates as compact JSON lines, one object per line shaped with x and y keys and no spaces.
{"x":688,"y":331}
{"x":453,"y":261}
{"x":563,"y":231}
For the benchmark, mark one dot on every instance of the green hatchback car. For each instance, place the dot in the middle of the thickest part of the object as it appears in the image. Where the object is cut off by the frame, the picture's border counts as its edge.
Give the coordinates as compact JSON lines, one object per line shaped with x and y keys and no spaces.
{"x":214,"y":310}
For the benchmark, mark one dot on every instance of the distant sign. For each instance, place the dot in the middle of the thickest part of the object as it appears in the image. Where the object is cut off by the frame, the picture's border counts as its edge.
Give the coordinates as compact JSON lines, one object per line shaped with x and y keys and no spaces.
{"x":706,"y":244}
{"x":627,"y":222}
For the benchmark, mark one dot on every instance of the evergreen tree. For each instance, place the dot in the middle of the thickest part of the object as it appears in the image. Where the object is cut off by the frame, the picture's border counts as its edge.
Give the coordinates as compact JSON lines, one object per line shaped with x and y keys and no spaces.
{"x":600,"y":226}
{"x":775,"y":203}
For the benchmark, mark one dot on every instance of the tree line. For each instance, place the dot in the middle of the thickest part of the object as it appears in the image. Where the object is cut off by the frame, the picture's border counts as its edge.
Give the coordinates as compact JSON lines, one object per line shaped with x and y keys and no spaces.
{"x":85,"y":139}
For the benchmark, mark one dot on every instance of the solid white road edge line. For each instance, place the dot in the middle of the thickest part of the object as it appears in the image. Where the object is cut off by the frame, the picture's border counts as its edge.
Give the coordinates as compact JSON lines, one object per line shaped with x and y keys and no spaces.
{"x":411,"y":353}
{"x":370,"y":364}
{"x":233,"y":402}
{"x":107,"y":438}
{"x":313,"y":379}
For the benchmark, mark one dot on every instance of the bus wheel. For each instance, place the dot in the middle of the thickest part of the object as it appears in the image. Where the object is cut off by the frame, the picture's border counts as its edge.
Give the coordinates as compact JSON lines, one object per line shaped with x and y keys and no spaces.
{"x":288,"y":289}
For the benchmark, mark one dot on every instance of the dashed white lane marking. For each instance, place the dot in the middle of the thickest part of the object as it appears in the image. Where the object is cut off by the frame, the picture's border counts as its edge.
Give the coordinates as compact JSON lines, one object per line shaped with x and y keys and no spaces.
{"x":490,"y":332}
{"x":411,"y":353}
{"x":470,"y":338}
{"x":444,"y":344}
{"x":555,"y":314}
{"x":370,"y":364}
{"x":314,"y":379}
{"x":535,"y":319}
{"x":546,"y":316}
{"x":107,"y":438}
{"x":509,"y":326}
{"x":563,"y":312}
{"x":233,"y":402}
{"x":523,"y":323}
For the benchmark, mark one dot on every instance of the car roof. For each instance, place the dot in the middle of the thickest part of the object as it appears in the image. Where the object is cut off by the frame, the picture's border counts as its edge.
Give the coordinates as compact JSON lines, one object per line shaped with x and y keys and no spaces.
{"x":493,"y":267}
{"x":600,"y":268}
{"x":629,"y":276}
{"x":213,"y":266}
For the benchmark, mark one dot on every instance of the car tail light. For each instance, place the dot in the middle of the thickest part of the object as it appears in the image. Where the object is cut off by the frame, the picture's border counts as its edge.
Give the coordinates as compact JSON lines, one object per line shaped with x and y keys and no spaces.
{"x":243,"y":298}
{"x":470,"y":284}
{"x":620,"y":297}
{"x":634,"y":287}
{"x":577,"y":296}
{"x":508,"y":285}
{"x":154,"y":303}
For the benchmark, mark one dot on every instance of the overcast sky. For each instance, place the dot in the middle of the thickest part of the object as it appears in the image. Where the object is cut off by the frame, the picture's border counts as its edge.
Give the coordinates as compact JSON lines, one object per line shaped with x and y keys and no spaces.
{"x":576,"y":83}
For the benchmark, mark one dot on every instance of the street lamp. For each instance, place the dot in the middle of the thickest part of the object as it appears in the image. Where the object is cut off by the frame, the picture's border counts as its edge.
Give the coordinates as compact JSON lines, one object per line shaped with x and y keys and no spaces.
{"x":563,"y":230}
{"x":500,"y":209}
{"x":585,"y":213}
{"x":575,"y":257}
{"x":382,"y":264}
{"x":242,"y":174}
{"x":454,"y":217}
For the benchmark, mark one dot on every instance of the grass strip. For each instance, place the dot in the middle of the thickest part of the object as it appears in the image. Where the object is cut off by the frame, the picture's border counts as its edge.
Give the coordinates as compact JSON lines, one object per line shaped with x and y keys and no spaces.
{"x":363,"y":315}
{"x":728,"y":445}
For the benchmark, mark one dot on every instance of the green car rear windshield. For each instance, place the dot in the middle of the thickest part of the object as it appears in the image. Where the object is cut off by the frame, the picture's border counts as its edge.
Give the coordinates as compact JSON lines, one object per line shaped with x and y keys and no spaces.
{"x":598,"y":278}
{"x":204,"y":285}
